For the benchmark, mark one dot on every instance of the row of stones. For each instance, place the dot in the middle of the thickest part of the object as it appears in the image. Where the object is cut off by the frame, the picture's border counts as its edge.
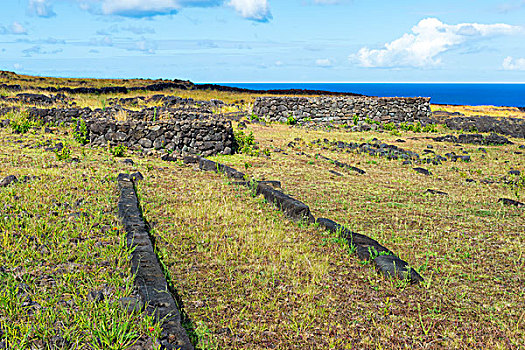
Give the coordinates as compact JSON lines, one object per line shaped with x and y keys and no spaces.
{"x":150,"y":281}
{"x":103,"y":90}
{"x":343,"y":109}
{"x":167,"y":101}
{"x":367,"y":249}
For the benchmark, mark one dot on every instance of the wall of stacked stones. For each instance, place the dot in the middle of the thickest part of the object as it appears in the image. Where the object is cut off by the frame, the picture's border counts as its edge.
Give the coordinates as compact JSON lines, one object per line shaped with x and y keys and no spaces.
{"x":192,"y":136}
{"x":192,"y":133}
{"x":342,"y":109}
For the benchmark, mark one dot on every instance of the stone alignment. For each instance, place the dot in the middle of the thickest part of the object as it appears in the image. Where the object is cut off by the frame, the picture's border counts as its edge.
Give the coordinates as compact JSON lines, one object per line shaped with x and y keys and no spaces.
{"x":294,"y":209}
{"x":149,"y":277}
{"x":367,"y":248}
{"x":507,"y":201}
{"x":341,"y":110}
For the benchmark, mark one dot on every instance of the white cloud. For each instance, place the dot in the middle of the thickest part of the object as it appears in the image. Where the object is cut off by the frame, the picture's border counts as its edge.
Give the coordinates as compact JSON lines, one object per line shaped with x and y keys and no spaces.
{"x":510,"y":63}
{"x":257,"y":10}
{"x":15,"y":28}
{"x":40,"y":8}
{"x":144,"y":46}
{"x":139,"y":8}
{"x":324,"y":62}
{"x":429,"y":38}
{"x":138,"y":30}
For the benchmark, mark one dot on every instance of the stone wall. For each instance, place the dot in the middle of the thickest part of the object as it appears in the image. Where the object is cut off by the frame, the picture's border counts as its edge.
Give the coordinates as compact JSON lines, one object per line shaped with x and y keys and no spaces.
{"x":202,"y":134}
{"x":187,"y":136}
{"x":341,"y":110}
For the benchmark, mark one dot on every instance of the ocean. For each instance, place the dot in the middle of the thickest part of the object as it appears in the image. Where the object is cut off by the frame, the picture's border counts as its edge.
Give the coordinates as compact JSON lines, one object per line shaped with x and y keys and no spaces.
{"x":440,"y":93}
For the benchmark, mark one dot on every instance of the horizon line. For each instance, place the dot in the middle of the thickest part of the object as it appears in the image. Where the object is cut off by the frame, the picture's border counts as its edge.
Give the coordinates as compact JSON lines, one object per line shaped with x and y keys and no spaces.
{"x":359,"y":82}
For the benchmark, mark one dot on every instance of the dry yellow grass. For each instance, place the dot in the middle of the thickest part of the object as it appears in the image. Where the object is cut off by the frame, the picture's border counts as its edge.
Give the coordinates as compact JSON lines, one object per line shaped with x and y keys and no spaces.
{"x":493,"y":111}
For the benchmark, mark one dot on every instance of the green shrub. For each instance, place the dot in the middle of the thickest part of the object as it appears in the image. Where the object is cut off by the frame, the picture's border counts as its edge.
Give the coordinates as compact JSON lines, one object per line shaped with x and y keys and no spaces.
{"x":410,"y":127}
{"x":20,"y":122}
{"x":21,"y":127}
{"x":63,"y":153}
{"x":244,"y":142}
{"x":81,"y":132}
{"x":430,"y":128}
{"x":118,"y":151}
{"x":370,"y":121}
{"x":255,"y":117}
{"x":390,"y":126}
{"x":416,"y":127}
{"x":291,"y":120}
{"x":356,"y":119}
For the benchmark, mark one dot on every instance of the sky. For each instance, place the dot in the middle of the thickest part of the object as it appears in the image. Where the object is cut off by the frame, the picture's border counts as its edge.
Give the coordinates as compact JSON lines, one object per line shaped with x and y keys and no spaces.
{"x":266,"y":40}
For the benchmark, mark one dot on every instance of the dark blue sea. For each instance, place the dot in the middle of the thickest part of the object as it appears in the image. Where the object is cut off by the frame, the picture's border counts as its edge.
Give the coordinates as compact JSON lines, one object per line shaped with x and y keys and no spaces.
{"x":440,"y":93}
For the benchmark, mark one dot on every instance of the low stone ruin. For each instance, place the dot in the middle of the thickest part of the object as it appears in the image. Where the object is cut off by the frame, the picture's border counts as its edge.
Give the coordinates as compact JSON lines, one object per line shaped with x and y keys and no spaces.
{"x":341,"y":110}
{"x":185,"y":135}
{"x":161,"y":129}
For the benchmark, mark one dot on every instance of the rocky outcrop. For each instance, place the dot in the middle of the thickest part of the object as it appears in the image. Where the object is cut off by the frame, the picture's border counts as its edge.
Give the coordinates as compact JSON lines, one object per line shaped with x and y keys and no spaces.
{"x":34,"y":99}
{"x":343,"y":109}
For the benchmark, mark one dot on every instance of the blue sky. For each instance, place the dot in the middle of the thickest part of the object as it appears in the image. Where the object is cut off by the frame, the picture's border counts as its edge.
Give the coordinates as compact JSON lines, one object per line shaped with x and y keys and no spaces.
{"x":267,"y":40}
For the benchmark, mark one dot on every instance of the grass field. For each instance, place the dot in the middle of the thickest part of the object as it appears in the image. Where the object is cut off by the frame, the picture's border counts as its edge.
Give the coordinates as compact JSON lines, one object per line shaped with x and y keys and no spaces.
{"x":248,"y":277}
{"x":64,"y":261}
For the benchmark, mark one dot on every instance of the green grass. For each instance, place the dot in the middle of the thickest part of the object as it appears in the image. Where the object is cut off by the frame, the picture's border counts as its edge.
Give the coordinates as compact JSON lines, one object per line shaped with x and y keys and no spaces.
{"x":457,"y":242}
{"x":247,"y":276}
{"x":60,"y":240}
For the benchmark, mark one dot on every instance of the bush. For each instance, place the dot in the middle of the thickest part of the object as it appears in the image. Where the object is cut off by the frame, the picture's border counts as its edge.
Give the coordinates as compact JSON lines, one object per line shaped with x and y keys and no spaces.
{"x":81,"y":132}
{"x":255,"y":117}
{"x":118,"y":151}
{"x":291,"y":121}
{"x":390,"y":127}
{"x":20,"y":122}
{"x":370,"y":121}
{"x":430,"y":128}
{"x":356,"y":119}
{"x":62,"y":153}
{"x":410,"y":127}
{"x":244,"y":143}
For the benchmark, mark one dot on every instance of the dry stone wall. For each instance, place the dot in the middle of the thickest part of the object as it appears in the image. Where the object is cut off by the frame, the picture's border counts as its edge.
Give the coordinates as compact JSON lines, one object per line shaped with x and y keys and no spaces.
{"x":201,"y":134}
{"x":191,"y":136}
{"x":341,"y":110}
